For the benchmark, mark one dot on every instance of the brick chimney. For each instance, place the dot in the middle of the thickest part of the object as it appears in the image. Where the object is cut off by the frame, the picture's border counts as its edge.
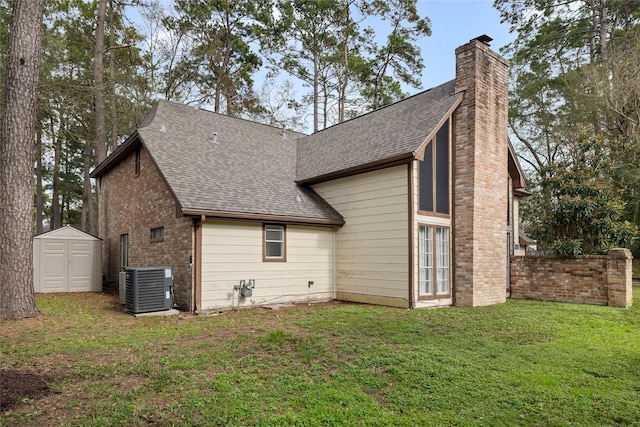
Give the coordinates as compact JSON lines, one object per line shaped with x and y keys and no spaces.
{"x":480,"y":175}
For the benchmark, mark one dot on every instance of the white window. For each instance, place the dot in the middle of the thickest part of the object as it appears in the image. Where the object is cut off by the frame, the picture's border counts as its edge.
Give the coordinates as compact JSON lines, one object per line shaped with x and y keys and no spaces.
{"x":426,"y":260}
{"x":433,"y":262}
{"x":442,"y":261}
{"x":274,"y":243}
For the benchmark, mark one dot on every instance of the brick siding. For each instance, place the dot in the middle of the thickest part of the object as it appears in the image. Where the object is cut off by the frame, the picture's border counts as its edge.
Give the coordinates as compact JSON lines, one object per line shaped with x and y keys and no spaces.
{"x":600,"y":280}
{"x":133,"y":205}
{"x":480,"y":176}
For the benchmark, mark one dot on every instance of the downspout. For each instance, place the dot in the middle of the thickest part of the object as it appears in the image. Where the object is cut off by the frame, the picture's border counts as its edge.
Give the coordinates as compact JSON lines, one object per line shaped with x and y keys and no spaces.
{"x":197,"y":271}
{"x":410,"y":227}
{"x":452,"y":267}
{"x":334,"y":262}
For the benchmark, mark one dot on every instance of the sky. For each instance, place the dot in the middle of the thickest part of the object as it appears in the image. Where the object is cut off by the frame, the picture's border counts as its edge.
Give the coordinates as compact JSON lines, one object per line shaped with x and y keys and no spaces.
{"x":454,"y":23}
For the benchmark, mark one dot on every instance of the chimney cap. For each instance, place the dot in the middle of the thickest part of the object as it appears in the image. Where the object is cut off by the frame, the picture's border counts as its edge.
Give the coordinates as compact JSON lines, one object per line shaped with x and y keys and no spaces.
{"x":484,"y":39}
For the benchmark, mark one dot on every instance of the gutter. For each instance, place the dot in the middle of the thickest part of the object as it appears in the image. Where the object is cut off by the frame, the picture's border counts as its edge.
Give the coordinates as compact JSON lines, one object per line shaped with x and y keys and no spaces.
{"x":397,"y":160}
{"x":273,"y":219}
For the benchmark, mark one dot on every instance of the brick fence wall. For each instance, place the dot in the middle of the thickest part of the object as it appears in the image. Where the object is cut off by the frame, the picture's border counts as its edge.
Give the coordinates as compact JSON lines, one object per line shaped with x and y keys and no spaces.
{"x":594,"y":279}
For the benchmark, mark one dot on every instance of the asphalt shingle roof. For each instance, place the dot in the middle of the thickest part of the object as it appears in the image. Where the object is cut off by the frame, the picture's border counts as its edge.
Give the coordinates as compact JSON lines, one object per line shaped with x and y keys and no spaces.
{"x":250,"y":169}
{"x":388,"y":132}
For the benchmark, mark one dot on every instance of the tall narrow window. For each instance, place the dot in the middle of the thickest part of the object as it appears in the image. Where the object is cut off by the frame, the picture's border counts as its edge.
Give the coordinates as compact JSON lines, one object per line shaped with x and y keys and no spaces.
{"x":274,"y":248}
{"x":426,"y":180}
{"x":426,"y":260}
{"x":434,"y":175}
{"x":124,"y":251}
{"x":442,"y":260}
{"x":137,"y":166}
{"x":434,"y":281}
{"x":442,"y":170}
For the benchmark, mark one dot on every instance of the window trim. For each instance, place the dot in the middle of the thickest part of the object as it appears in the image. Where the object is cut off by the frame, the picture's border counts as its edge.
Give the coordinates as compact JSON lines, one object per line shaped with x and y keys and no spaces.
{"x":434,"y":264}
{"x":124,"y":251}
{"x":282,"y":258}
{"x":434,"y":181}
{"x":156,"y":239}
{"x":137,"y":163}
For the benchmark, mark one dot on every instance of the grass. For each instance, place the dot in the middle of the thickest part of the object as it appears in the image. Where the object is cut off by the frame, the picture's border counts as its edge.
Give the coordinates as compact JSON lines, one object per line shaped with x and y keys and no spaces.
{"x":520,"y":363}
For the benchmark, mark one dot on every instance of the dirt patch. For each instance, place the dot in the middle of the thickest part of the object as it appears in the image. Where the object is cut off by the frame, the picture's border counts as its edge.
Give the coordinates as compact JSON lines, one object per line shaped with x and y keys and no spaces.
{"x":15,"y":384}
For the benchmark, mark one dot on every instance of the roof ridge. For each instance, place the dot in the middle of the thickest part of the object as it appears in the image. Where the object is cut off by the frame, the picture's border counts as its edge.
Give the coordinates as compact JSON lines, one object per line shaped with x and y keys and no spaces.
{"x":386,"y":106}
{"x":204,"y":110}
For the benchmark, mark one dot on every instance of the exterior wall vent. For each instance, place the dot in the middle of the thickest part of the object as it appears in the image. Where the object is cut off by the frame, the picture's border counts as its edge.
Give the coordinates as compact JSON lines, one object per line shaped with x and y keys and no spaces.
{"x":148,"y":289}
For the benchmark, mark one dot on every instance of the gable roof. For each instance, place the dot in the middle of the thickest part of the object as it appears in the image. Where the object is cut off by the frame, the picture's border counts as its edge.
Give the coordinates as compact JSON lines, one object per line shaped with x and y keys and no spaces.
{"x":252,"y":171}
{"x":389,"y":134}
{"x":516,"y":173}
{"x":66,"y":232}
{"x":248,"y":172}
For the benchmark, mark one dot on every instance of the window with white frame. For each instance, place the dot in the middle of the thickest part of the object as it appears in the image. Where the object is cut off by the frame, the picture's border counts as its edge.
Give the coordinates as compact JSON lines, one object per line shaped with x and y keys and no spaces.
{"x":274,"y":248}
{"x":442,"y":261}
{"x":433,"y":262}
{"x":426,"y":260}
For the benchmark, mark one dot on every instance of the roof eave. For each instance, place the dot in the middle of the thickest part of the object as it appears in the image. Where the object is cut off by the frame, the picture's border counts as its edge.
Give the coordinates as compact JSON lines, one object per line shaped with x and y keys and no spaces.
{"x":399,"y":159}
{"x":114,"y":158}
{"x":519,"y":179}
{"x":521,"y":192}
{"x":419,"y":152}
{"x":274,"y":219}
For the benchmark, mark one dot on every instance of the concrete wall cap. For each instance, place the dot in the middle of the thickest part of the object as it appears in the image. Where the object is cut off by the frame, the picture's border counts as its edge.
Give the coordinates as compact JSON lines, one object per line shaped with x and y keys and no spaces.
{"x":620,"y":253}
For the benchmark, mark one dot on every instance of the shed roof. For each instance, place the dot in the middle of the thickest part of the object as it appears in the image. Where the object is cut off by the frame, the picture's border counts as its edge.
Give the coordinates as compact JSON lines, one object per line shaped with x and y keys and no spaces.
{"x":66,"y":232}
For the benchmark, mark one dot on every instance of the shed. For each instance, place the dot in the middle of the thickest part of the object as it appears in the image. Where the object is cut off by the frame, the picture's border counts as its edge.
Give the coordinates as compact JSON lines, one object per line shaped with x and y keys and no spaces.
{"x":67,"y":260}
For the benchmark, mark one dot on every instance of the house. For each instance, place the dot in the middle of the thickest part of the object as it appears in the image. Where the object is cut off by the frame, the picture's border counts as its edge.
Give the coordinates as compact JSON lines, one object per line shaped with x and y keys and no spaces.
{"x":411,"y":205}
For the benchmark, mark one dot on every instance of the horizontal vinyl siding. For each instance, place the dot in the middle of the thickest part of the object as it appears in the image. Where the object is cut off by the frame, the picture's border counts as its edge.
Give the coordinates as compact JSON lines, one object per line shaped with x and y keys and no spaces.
{"x":372,"y":247}
{"x":232,"y":251}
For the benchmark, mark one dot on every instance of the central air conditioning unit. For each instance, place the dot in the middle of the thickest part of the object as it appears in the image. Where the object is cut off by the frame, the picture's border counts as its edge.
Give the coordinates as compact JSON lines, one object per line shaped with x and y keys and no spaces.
{"x":148,"y":289}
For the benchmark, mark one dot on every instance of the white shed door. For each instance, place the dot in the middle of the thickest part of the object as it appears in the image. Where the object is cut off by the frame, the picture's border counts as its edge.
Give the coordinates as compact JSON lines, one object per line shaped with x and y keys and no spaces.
{"x":53,"y":266}
{"x":66,"y":266}
{"x":80,"y":266}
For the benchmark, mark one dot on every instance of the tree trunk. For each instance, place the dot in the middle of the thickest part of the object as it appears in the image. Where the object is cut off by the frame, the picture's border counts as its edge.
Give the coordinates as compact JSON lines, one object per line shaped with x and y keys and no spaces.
{"x":17,"y":298}
{"x":87,"y":197}
{"x":316,"y":92}
{"x":113,"y":141}
{"x":56,"y":217}
{"x":98,"y":74}
{"x":342,"y":93}
{"x":39,"y":201}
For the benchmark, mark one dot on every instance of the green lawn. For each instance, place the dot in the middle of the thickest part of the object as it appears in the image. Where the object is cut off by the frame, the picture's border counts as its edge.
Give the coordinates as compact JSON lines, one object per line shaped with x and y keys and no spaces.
{"x":520,"y":363}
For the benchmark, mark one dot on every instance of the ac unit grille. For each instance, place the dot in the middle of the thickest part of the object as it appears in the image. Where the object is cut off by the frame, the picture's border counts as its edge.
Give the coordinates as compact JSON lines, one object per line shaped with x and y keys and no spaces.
{"x":148,"y":289}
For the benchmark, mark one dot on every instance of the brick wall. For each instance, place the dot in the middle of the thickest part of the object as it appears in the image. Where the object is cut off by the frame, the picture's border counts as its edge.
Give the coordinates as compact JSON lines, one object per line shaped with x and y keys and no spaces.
{"x":480,"y":176}
{"x":601,"y":280}
{"x":133,"y":205}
